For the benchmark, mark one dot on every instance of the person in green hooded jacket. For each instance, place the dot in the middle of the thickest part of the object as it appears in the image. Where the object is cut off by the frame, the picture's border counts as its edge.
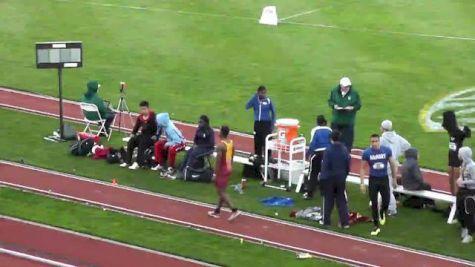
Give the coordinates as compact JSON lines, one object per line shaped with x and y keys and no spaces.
{"x":344,"y":101}
{"x":92,"y":97}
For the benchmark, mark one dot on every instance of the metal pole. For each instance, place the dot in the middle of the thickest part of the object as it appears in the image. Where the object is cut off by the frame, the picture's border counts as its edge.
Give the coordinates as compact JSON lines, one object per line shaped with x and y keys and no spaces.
{"x":60,"y":86}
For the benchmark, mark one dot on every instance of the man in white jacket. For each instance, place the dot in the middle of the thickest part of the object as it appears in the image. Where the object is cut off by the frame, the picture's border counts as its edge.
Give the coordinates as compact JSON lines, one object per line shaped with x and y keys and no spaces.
{"x":398,"y":145}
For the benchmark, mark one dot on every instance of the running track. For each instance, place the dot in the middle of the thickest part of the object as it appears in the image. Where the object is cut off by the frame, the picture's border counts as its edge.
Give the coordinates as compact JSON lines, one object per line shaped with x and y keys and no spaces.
{"x":343,"y":248}
{"x":48,"y":106}
{"x":44,"y":243}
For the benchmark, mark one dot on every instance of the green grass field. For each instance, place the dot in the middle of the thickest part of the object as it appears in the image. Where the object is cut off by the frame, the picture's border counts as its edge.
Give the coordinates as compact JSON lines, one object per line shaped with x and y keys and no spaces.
{"x":192,"y":57}
{"x":420,"y":229}
{"x":144,"y":233}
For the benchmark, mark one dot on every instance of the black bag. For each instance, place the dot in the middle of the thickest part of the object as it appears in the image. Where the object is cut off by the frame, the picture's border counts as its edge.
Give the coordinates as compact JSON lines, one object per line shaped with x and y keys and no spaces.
{"x":82,"y":147}
{"x":204,"y":175}
{"x":114,"y":156}
{"x":148,"y":155}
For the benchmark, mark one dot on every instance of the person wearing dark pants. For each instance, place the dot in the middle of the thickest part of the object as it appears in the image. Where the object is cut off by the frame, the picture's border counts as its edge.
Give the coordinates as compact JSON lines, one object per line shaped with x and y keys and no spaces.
{"x":203,"y":143}
{"x":264,"y":118}
{"x":335,"y":169}
{"x":320,"y":141}
{"x":466,"y":195}
{"x":377,"y":158}
{"x":344,"y":101}
{"x":143,"y":136}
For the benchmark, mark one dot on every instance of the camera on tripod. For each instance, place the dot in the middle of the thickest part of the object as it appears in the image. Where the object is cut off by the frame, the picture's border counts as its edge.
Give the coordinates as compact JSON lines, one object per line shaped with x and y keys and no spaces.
{"x":123,"y":86}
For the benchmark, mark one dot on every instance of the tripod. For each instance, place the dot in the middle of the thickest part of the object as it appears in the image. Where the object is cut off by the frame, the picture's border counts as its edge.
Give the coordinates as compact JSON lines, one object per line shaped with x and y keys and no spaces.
{"x":122,"y":107}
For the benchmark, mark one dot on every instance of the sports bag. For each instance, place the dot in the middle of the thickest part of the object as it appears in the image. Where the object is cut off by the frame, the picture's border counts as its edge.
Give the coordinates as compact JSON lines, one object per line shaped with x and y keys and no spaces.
{"x":114,"y":156}
{"x":202,"y":175}
{"x":82,"y":147}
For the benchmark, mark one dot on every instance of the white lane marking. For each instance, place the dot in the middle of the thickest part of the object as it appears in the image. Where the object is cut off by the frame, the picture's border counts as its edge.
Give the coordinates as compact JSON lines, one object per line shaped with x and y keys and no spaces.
{"x":328,"y":232}
{"x":311,"y":25}
{"x":116,"y":243}
{"x":300,"y":14}
{"x":32,"y":257}
{"x":387,"y":32}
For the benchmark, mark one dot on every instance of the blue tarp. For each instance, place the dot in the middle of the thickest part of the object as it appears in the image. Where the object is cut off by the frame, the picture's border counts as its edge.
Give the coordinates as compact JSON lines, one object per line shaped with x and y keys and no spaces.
{"x":278,"y":201}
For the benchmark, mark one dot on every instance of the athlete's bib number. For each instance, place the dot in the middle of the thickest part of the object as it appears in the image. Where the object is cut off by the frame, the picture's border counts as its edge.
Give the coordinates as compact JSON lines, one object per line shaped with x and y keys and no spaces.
{"x":378,"y":166}
{"x":452,"y":146}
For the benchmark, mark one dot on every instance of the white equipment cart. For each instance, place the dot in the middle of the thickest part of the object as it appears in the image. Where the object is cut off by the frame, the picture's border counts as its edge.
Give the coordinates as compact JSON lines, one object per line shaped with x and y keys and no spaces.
{"x":290,"y":150}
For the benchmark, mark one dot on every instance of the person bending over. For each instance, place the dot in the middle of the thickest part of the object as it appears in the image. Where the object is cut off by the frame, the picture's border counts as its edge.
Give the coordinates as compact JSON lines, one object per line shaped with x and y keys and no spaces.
{"x":377,"y":158}
{"x":223,"y":170}
{"x":412,"y":179}
{"x":173,"y":143}
{"x":91,"y":97}
{"x":143,"y":136}
{"x":203,"y":143}
{"x":335,"y":169}
{"x":466,"y":195}
{"x":456,"y":137}
{"x":398,"y":146}
{"x":264,"y":118}
{"x":320,"y":141}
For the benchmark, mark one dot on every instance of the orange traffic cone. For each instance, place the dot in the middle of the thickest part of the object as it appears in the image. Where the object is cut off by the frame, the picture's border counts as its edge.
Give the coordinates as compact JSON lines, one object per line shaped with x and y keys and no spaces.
{"x":114,"y":182}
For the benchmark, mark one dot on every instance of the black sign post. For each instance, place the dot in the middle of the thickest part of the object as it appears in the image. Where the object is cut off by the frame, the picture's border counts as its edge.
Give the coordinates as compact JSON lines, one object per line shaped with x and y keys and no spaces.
{"x":59,"y":55}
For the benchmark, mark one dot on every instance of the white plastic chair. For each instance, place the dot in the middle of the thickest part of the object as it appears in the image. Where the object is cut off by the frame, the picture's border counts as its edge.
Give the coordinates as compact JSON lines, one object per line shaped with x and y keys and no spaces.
{"x":100,"y":123}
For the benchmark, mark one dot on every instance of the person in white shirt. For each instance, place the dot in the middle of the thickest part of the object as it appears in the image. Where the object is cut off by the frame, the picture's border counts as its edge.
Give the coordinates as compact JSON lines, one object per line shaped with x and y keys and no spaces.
{"x":398,"y":146}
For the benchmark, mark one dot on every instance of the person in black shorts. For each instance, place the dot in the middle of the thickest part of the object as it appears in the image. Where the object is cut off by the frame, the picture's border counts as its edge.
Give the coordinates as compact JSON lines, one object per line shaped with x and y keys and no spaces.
{"x":456,"y":138}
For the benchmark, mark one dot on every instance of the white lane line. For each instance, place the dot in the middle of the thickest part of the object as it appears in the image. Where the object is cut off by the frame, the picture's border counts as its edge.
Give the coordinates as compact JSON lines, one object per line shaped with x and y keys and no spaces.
{"x":413,"y":34}
{"x":311,"y":25}
{"x":33,"y":258}
{"x":301,"y":14}
{"x":328,"y":232}
{"x":116,"y":243}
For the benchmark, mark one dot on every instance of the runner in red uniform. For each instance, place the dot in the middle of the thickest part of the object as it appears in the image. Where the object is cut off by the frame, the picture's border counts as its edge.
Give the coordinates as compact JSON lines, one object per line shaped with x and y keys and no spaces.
{"x":223,"y":170}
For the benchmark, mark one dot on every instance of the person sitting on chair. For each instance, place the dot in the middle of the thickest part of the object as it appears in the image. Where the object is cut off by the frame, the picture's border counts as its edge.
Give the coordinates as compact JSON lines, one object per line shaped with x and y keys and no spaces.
{"x":203,"y":144}
{"x":91,"y":97}
{"x":173,"y":143}
{"x":143,"y":136}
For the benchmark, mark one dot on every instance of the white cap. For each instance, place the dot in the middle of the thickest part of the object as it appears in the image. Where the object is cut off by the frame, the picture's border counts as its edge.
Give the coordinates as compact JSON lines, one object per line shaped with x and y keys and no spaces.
{"x":345,"y":81}
{"x":387,"y":125}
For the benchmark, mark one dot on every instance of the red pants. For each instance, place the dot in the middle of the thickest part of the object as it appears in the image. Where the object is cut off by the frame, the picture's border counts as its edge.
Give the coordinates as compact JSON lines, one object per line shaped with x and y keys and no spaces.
{"x":161,"y":151}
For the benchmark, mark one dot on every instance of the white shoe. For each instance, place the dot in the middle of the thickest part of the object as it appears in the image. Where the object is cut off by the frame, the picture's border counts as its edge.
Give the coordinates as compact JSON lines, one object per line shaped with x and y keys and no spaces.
{"x":467,"y":239}
{"x":213,"y":214}
{"x":157,"y":168}
{"x":392,"y":212}
{"x":134,"y":166}
{"x":124,"y":165}
{"x":463,"y":233}
{"x":234,"y":215}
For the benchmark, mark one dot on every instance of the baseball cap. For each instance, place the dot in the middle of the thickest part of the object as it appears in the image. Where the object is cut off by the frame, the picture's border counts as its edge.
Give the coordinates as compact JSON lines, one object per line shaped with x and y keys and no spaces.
{"x":387,"y":125}
{"x":345,"y":81}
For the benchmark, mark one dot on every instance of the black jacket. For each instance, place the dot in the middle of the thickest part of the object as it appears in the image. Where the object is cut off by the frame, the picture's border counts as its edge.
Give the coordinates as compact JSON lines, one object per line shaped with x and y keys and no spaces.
{"x":147,"y":127}
{"x":204,"y":137}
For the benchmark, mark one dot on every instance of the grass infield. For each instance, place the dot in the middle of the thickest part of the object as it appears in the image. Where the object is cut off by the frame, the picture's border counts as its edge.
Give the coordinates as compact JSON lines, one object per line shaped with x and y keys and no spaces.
{"x":190,"y":57}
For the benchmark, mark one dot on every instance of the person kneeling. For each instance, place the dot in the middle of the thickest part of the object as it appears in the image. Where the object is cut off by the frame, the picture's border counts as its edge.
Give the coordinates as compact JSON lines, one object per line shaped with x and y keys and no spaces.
{"x":412,"y":179}
{"x":335,"y":169}
{"x":173,"y":143}
{"x":143,"y":137}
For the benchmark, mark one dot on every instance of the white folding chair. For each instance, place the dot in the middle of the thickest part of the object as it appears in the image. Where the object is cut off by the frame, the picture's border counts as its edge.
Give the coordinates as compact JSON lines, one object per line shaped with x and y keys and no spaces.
{"x":100,"y":123}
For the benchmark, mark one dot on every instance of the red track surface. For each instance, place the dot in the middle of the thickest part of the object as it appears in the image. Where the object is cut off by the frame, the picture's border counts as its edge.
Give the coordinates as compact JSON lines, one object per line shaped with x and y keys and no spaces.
{"x":49,"y":106}
{"x":12,"y":261}
{"x":73,"y":249}
{"x":278,"y":233}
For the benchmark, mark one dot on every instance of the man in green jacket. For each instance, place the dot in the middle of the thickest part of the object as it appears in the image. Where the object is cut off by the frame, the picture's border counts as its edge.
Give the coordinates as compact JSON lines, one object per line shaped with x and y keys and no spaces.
{"x":345,"y":102}
{"x":92,"y":97}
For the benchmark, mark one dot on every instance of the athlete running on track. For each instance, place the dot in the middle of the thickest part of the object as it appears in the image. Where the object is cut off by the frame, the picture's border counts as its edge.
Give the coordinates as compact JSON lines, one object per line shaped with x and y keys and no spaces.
{"x":223,"y":170}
